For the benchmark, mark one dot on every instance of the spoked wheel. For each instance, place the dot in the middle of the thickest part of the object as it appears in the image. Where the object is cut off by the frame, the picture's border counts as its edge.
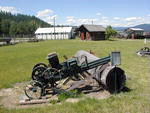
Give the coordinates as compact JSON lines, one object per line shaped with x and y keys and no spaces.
{"x":34,"y":90}
{"x":49,"y":76}
{"x":41,"y":65}
{"x":37,"y":73}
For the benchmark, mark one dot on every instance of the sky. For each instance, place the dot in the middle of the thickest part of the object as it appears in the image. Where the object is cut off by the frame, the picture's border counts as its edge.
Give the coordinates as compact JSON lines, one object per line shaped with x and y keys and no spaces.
{"x":117,"y":13}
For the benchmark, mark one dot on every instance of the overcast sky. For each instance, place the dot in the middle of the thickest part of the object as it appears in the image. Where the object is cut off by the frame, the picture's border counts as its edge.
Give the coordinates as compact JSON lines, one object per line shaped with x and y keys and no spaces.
{"x":76,"y":12}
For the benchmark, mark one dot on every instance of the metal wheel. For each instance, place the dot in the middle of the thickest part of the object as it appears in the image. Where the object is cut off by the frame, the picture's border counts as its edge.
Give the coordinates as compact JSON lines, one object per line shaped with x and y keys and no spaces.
{"x":41,"y":65}
{"x":49,"y":76}
{"x":37,"y":73}
{"x":34,"y":90}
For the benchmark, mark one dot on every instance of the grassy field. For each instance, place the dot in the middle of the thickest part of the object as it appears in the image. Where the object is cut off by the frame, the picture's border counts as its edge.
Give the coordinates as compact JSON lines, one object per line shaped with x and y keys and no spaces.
{"x":16,"y":64}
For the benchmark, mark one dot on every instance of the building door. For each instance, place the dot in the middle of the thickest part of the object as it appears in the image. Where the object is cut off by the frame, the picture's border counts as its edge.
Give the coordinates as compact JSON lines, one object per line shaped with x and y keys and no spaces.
{"x":87,"y":36}
{"x":132,"y":36}
{"x":82,"y":36}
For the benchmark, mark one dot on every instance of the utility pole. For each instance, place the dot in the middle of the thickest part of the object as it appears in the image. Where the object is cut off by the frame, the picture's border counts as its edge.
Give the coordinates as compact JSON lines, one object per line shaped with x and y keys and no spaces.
{"x":54,"y":29}
{"x":92,"y":22}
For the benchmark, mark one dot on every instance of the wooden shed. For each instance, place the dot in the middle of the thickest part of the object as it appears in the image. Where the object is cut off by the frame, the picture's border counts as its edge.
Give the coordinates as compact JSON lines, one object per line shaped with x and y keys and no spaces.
{"x":91,"y":32}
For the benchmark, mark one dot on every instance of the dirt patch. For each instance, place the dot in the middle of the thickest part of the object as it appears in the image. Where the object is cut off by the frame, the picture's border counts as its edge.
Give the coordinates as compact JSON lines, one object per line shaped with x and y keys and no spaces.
{"x":10,"y":97}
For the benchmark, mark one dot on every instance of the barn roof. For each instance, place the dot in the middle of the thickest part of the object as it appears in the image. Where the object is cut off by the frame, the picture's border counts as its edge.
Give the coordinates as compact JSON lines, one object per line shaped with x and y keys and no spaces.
{"x":93,"y":28}
{"x":51,"y":30}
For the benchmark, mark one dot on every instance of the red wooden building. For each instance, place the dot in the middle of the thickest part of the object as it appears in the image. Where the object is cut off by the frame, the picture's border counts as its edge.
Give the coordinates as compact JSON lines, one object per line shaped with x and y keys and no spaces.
{"x":91,"y":32}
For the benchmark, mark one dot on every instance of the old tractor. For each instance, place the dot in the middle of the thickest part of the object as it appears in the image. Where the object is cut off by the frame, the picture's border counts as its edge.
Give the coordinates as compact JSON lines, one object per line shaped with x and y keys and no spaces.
{"x":45,"y":78}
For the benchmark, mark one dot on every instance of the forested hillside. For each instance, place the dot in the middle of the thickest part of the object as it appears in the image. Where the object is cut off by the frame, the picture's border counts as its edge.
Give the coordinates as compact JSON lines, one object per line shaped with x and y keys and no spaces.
{"x":19,"y":24}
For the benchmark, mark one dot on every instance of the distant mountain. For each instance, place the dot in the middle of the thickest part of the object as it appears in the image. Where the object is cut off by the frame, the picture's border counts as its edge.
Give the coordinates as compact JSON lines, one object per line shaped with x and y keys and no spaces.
{"x":120,"y":28}
{"x":146,"y":27}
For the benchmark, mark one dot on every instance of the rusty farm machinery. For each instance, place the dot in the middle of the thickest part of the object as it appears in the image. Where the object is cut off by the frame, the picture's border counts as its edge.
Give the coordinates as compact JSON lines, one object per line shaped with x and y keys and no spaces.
{"x":45,"y":78}
{"x":144,"y":52}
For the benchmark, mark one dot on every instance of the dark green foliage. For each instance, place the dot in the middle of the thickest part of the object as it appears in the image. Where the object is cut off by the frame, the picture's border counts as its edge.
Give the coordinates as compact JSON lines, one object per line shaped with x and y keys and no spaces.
{"x":68,"y":94}
{"x":19,"y":24}
{"x":110,"y":32}
{"x":5,"y":25}
{"x":54,"y":101}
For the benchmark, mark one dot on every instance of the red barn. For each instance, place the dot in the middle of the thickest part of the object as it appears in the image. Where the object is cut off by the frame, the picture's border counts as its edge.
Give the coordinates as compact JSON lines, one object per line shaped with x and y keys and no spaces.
{"x":92,"y":32}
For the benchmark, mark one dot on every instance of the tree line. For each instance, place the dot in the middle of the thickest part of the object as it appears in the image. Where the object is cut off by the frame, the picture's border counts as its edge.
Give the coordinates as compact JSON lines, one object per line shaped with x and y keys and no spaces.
{"x":19,"y":24}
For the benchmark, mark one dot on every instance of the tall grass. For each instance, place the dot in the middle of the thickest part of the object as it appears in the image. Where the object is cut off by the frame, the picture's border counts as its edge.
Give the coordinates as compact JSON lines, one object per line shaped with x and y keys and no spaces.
{"x":16,"y":64}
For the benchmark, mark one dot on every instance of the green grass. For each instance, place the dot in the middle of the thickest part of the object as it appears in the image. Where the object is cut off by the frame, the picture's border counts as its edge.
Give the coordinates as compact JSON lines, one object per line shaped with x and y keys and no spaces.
{"x":16,"y":64}
{"x":68,"y":94}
